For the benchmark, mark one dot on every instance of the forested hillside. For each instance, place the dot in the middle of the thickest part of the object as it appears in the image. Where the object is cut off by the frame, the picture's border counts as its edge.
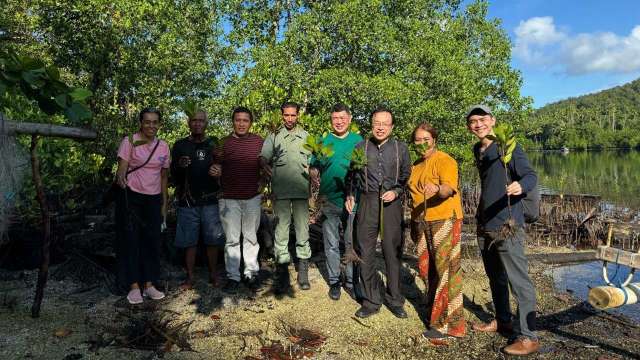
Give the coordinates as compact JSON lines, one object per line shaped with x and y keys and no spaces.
{"x":609,"y":118}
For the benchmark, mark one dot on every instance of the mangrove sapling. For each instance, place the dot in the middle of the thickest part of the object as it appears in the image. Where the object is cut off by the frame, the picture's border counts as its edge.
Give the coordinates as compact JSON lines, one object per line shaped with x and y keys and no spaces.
{"x":318,"y":149}
{"x":420,"y":152}
{"x":506,"y":142}
{"x":322,"y":153}
{"x":273,"y":121}
{"x":357,"y":164}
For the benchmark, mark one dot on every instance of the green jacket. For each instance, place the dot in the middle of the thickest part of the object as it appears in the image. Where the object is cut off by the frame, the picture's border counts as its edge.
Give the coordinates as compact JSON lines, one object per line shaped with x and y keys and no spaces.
{"x":289,"y":162}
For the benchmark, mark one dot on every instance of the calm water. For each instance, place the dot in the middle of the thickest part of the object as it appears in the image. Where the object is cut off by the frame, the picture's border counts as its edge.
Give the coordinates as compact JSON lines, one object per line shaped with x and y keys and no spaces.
{"x":614,"y":175}
{"x":578,"y":278}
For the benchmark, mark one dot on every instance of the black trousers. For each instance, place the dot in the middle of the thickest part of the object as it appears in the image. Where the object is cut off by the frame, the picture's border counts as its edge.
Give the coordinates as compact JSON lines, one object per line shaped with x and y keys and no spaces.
{"x":367,"y":227}
{"x":138,"y":219}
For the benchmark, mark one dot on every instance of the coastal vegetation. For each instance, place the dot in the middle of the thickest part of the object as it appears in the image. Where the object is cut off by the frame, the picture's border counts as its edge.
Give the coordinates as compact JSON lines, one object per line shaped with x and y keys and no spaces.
{"x":606,"y":119}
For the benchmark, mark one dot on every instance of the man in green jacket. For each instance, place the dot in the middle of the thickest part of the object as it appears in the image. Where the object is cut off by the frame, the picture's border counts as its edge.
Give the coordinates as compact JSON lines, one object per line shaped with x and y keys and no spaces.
{"x":333,"y":171}
{"x":286,"y":161}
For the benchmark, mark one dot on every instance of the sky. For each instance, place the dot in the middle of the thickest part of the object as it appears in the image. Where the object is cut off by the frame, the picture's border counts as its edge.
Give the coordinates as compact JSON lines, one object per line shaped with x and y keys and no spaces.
{"x":569,"y":48}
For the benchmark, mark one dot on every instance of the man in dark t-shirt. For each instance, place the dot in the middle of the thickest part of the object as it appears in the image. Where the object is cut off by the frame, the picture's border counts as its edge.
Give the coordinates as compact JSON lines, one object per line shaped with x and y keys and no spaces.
{"x":240,"y":207}
{"x":196,"y":192}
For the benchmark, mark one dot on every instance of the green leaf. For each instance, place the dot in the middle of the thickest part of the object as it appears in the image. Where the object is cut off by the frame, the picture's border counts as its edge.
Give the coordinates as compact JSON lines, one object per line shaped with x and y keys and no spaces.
{"x":511,"y":148}
{"x":63,"y":100}
{"x":53,"y":72}
{"x":358,"y":159}
{"x":77,"y":112}
{"x":11,"y":77}
{"x":29,"y":63}
{"x":35,"y":78}
{"x":190,"y":108}
{"x":80,"y":94}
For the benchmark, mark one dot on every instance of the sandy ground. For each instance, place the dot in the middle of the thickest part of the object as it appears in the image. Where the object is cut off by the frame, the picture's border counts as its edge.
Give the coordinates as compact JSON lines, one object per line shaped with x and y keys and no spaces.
{"x":208,"y":324}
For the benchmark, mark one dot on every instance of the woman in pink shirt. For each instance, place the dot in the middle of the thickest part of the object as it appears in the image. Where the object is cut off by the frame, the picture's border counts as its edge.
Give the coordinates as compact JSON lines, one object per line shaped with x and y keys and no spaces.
{"x":143,"y":163}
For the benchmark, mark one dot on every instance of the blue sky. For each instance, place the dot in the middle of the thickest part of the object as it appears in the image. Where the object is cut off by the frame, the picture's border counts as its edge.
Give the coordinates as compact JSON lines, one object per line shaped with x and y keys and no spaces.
{"x":568,"y":47}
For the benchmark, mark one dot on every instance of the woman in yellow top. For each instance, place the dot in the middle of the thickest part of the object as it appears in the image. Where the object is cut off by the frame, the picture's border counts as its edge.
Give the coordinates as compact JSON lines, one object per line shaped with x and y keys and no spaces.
{"x":436,"y":225}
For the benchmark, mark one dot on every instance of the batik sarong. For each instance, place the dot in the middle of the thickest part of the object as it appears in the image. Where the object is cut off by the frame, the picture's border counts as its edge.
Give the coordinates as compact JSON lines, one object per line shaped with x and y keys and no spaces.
{"x":438,"y":249}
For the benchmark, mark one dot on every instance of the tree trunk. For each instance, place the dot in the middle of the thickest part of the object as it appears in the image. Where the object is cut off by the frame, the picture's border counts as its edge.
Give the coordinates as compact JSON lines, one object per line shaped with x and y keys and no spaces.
{"x":43,"y":273}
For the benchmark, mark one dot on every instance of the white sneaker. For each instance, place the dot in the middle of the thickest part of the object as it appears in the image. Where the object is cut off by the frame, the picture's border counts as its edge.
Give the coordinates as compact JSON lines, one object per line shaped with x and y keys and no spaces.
{"x":153,"y":293}
{"x":134,"y":297}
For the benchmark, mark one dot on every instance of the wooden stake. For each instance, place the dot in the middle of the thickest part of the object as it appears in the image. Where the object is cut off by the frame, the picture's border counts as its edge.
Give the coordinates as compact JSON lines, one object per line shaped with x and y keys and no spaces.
{"x":43,"y":273}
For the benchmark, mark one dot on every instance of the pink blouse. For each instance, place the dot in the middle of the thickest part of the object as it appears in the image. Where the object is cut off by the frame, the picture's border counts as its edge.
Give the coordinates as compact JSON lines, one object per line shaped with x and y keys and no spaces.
{"x":146,"y":180}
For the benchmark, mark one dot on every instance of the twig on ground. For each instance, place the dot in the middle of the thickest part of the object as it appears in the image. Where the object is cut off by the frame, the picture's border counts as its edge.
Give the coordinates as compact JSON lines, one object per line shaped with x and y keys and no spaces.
{"x":360,"y":322}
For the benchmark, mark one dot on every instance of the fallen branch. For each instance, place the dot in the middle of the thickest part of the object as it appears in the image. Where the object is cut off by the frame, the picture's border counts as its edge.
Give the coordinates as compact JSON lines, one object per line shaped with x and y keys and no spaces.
{"x":36,"y":129}
{"x":360,"y":322}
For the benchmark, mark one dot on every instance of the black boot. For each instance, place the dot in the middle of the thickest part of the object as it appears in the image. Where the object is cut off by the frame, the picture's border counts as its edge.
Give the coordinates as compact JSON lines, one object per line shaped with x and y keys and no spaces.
{"x":282,"y":282}
{"x":303,"y":274}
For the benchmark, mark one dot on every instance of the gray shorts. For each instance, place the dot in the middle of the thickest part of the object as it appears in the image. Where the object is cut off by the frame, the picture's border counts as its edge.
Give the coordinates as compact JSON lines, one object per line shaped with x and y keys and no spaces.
{"x":199,"y":219}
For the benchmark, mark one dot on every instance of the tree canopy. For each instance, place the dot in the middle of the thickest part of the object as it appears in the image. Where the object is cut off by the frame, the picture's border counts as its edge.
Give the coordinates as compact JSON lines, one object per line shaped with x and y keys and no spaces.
{"x":426,"y":60}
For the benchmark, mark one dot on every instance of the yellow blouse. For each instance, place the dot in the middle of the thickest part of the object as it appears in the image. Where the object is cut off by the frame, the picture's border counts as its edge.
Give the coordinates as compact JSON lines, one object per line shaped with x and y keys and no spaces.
{"x":439,"y":168}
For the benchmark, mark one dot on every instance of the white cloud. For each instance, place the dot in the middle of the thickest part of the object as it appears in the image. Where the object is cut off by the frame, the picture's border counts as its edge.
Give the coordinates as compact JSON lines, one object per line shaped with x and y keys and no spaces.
{"x":539,"y":30}
{"x":539,"y":42}
{"x":533,"y":36}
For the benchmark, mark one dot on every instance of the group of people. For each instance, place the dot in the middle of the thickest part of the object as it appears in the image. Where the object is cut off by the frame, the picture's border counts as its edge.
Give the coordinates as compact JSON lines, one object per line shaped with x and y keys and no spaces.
{"x":218,"y":192}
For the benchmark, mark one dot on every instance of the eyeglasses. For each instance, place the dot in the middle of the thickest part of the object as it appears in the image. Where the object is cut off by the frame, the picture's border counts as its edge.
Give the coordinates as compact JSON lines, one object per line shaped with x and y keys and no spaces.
{"x":477,"y":121}
{"x":382,"y":125}
{"x":338,"y":118}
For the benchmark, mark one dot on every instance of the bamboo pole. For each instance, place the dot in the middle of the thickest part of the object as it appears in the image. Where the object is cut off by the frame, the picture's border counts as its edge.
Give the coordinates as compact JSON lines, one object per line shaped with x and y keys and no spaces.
{"x":607,"y":297}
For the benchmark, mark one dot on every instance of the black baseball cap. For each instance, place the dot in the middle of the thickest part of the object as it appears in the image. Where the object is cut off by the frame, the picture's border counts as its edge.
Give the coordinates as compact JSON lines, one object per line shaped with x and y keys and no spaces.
{"x":478,"y":108}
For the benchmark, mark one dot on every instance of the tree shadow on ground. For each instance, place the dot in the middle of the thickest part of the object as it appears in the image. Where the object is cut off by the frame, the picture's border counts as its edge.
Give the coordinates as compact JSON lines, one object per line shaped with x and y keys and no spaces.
{"x":417,"y":296}
{"x":409,"y":288}
{"x":578,"y":313}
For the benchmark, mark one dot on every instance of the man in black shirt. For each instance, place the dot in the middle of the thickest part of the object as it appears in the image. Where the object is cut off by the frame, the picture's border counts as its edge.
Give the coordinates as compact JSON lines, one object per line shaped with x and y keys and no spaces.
{"x":196,"y":191}
{"x":501,"y":236}
{"x":381,"y":182}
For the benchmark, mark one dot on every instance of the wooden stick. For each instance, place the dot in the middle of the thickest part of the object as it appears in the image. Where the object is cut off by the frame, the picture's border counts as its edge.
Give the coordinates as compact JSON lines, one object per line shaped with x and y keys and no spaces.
{"x":46,"y":229}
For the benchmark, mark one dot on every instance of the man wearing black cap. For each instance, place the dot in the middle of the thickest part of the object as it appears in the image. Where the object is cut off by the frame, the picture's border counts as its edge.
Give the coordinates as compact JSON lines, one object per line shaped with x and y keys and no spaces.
{"x":502,"y":241}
